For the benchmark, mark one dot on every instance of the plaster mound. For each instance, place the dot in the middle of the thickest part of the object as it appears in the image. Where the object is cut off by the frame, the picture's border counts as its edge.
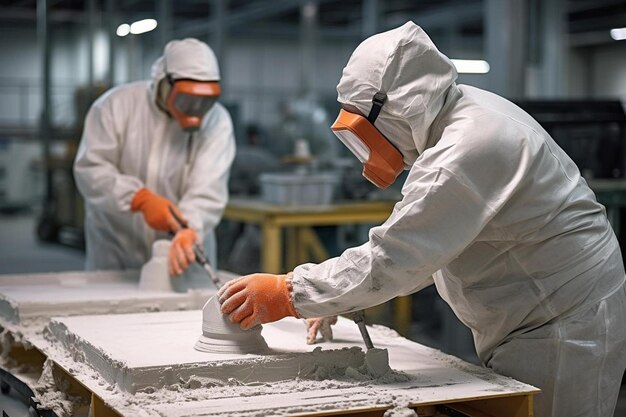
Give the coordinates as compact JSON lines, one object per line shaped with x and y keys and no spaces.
{"x":154,"y":274}
{"x":219,"y":335}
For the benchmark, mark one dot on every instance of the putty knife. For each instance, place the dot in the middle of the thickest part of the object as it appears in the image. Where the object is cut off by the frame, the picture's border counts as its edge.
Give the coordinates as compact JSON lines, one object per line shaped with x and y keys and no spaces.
{"x":359,"y":319}
{"x":202,"y":260}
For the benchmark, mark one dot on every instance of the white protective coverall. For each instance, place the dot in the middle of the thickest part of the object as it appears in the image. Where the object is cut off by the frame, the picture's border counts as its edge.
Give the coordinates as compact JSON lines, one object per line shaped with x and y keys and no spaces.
{"x":499,"y":216}
{"x":129,"y":143}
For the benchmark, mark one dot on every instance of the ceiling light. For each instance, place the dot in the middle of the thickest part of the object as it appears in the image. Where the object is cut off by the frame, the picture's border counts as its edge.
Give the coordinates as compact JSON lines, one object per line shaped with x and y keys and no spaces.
{"x":143,"y":26}
{"x":471,"y":66}
{"x":619,"y":34}
{"x":123,"y":29}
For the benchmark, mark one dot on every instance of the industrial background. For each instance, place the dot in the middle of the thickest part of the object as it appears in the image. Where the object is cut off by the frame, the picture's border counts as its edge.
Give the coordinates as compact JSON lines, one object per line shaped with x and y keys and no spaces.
{"x":563,"y":61}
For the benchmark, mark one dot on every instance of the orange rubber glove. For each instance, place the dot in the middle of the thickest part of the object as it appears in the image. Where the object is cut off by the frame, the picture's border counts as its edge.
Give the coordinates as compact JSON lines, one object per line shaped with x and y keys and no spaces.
{"x":181,"y":251}
{"x":156,"y":211}
{"x":257,"y":299}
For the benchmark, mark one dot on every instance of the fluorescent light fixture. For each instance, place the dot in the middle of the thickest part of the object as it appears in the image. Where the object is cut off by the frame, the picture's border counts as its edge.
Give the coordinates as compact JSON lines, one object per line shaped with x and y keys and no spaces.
{"x":619,"y":34}
{"x":143,"y":26}
{"x":471,"y":66}
{"x":123,"y":29}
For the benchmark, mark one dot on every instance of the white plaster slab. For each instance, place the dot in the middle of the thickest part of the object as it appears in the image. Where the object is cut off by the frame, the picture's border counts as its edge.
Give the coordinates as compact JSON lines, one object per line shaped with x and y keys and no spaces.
{"x":145,"y":352}
{"x":29,"y":298}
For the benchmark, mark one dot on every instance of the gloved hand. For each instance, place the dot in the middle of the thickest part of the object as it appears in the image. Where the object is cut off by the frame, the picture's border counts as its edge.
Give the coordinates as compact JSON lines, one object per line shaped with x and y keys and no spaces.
{"x":257,"y":299}
{"x":323,"y":326}
{"x":156,"y":211}
{"x":181,"y":251}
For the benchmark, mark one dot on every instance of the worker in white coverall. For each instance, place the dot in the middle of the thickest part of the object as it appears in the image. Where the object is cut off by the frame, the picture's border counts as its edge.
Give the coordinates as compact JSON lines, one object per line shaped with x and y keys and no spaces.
{"x":493,"y":210}
{"x":153,"y":148}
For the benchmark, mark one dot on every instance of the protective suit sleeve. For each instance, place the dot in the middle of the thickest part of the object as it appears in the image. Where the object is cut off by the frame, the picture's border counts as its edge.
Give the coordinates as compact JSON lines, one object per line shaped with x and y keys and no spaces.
{"x":206,"y":190}
{"x":438,"y":217}
{"x":96,"y":166}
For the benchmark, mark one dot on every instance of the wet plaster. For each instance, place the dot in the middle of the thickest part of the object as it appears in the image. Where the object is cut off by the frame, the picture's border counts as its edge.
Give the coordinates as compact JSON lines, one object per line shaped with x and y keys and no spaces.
{"x":29,"y":300}
{"x":144,"y":364}
{"x":147,"y":362}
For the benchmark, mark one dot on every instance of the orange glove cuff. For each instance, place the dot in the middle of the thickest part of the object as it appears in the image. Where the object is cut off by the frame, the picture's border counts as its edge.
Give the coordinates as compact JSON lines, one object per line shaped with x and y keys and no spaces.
{"x":286,"y":291}
{"x":140,"y":198}
{"x":288,"y":284}
{"x":181,"y":251}
{"x":156,"y":210}
{"x":185,"y":237}
{"x":274,"y":292}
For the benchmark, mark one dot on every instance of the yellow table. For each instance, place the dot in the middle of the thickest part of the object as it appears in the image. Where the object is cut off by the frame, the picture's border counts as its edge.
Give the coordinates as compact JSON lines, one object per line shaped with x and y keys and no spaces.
{"x":302,"y":244}
{"x":458,"y":389}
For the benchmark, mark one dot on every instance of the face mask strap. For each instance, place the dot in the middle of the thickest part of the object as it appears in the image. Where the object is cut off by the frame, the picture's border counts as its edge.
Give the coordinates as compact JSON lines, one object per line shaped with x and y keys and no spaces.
{"x":377,"y":103}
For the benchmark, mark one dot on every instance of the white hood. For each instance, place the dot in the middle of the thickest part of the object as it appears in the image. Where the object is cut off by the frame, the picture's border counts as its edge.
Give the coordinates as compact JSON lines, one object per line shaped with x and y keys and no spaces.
{"x":406,"y":65}
{"x":187,"y":58}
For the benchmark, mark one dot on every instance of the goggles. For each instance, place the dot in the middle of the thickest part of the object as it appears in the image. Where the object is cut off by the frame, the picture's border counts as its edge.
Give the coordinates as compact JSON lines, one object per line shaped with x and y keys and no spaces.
{"x":188,"y":101}
{"x":382,"y":162}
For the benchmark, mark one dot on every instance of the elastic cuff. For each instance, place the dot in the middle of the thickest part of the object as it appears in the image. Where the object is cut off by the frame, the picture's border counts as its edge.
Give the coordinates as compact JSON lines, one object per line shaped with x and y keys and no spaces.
{"x":139,"y":198}
{"x":289,"y":284}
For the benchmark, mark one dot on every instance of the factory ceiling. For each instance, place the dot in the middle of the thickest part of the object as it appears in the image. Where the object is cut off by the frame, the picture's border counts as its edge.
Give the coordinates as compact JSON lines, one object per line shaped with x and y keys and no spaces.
{"x":588,"y":20}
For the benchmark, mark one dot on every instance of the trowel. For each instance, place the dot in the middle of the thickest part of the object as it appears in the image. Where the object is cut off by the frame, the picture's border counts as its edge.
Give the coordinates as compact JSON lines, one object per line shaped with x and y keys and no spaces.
{"x":359,"y":319}
{"x":197,"y":250}
{"x":204,"y":262}
{"x":376,"y":360}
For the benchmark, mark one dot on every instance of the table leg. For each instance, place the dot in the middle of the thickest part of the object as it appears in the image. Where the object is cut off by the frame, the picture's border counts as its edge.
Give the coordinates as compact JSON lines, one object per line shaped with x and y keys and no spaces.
{"x":271,"y":255}
{"x":293,"y":249}
{"x":308,"y":239}
{"x":402,"y":315}
{"x":513,"y":406}
{"x":99,"y":409}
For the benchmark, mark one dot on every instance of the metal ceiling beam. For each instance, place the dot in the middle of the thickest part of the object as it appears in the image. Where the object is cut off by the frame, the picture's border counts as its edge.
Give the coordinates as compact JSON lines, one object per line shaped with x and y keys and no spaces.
{"x":218,"y":37}
{"x":291,"y":31}
{"x":54,"y":16}
{"x":110,"y":22}
{"x":371,"y":17}
{"x":309,"y":31}
{"x":23,"y":3}
{"x":441,"y":17}
{"x":505,"y":40}
{"x":583,"y":6}
{"x":164,"y":17}
{"x":596,"y":23}
{"x":555,"y":51}
{"x":43,"y":43}
{"x":255,"y":11}
{"x":601,"y":37}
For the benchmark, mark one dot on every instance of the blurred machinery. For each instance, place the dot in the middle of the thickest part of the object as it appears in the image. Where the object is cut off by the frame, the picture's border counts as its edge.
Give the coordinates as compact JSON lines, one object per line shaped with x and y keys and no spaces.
{"x":21,"y":178}
{"x":305,"y":118}
{"x":62,"y":213}
{"x":593,"y":133}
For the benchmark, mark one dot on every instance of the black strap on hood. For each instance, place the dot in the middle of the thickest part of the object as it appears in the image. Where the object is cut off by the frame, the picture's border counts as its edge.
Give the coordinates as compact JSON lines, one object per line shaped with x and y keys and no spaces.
{"x":377,"y":103}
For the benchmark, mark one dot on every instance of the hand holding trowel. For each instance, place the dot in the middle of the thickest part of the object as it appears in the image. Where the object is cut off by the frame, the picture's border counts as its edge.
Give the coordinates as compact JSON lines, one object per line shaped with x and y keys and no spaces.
{"x":198,"y":252}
